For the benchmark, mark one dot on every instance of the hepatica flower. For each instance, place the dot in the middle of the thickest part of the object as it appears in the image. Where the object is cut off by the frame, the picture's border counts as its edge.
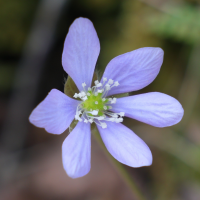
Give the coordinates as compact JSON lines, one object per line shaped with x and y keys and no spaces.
{"x":98,"y":104}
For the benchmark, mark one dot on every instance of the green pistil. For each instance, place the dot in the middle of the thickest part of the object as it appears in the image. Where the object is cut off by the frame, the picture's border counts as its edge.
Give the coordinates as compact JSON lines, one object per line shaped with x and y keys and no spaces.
{"x":90,"y":104}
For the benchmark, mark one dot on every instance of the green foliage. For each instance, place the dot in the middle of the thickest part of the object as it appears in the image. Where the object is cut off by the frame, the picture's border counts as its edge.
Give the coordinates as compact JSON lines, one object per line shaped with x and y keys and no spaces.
{"x":180,"y":23}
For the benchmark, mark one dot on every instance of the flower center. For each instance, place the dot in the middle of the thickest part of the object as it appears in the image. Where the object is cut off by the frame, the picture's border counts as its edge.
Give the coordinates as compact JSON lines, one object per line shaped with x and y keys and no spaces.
{"x":95,"y":106}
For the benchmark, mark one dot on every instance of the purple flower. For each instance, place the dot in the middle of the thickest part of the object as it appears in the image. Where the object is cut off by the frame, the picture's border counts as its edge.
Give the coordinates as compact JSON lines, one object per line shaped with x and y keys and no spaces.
{"x":125,"y":73}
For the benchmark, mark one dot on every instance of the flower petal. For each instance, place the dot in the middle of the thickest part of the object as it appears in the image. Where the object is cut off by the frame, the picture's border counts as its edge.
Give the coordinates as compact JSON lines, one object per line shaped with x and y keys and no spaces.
{"x":154,"y":108}
{"x":80,"y":53}
{"x":55,"y":112}
{"x":125,"y":146}
{"x":134,"y":70}
{"x":76,"y":151}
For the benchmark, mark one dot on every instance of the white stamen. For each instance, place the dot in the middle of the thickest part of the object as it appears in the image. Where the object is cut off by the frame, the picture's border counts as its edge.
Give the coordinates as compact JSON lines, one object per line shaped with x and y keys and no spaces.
{"x":100,"y":118}
{"x":103,"y":125}
{"x":83,"y":84}
{"x":118,"y":120}
{"x":99,"y":85}
{"x":116,"y":83}
{"x":96,"y":82}
{"x":79,"y":119}
{"x":121,"y":114}
{"x":107,"y":86}
{"x":90,"y":120}
{"x":100,"y":91}
{"x":94,"y":112}
{"x":83,"y":93}
{"x":84,"y":98}
{"x":104,"y":79}
{"x":114,"y":100}
{"x":110,"y":81}
{"x":75,"y":95}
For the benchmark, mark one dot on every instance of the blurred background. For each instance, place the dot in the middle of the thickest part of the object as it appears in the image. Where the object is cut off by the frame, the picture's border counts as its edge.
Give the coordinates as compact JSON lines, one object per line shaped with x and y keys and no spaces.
{"x":32,"y":34}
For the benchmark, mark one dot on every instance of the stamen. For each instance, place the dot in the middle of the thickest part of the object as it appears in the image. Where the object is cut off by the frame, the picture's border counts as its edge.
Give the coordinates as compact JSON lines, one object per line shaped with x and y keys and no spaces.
{"x":96,"y":82}
{"x":95,"y":106}
{"x":94,"y":112}
{"x":113,"y":100}
{"x":107,"y":86}
{"x":110,"y":81}
{"x":84,"y":98}
{"x":75,"y":95}
{"x":103,"y":125}
{"x":100,"y":91}
{"x":90,"y":120}
{"x":104,"y":79}
{"x":99,"y":85}
{"x":121,"y":114}
{"x":83,"y":84}
{"x":116,"y":83}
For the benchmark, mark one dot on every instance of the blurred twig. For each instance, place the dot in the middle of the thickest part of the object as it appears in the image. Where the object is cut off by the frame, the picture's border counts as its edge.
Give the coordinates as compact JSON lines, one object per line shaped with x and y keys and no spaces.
{"x":26,"y":83}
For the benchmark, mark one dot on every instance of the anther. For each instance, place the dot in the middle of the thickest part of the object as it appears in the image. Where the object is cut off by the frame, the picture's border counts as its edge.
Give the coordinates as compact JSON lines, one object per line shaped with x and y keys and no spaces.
{"x":94,"y":112}
{"x":107,"y":86}
{"x":99,"y":85}
{"x":75,"y":95}
{"x":114,"y":100}
{"x":116,"y":83}
{"x":110,"y":81}
{"x":84,"y":98}
{"x":100,"y":118}
{"x":100,"y":91}
{"x":103,"y":125}
{"x":83,"y":84}
{"x":96,"y":82}
{"x":104,"y":79}
{"x":121,"y":114}
{"x":90,"y":120}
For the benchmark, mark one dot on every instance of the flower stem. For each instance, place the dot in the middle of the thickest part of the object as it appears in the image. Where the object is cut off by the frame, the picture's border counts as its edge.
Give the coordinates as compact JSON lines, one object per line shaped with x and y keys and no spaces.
{"x":120,"y":168}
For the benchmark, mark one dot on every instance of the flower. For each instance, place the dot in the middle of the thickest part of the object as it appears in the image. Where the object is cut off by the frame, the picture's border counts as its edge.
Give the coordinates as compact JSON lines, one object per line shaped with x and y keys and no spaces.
{"x":125,"y":73}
